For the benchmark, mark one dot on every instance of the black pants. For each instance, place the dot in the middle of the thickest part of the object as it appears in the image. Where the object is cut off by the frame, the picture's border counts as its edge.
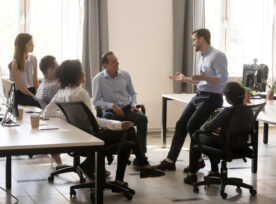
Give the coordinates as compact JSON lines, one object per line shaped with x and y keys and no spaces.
{"x":193,"y":117}
{"x":208,"y":140}
{"x":26,"y":100}
{"x":138,"y":118}
{"x":114,"y":137}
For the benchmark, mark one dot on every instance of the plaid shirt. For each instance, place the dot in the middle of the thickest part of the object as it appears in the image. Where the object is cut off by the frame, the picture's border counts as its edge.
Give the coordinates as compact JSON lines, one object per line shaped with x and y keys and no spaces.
{"x":46,"y":90}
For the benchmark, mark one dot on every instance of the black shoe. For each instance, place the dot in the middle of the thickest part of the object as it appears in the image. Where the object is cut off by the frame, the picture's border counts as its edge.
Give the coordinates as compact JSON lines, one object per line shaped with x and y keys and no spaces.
{"x":200,"y":165}
{"x":165,"y":166}
{"x":212,"y":174}
{"x":150,"y":172}
{"x":190,"y":179}
{"x":87,"y":170}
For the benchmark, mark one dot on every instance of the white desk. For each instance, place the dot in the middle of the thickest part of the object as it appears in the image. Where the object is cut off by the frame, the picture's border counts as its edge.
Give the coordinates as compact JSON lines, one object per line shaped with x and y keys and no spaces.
{"x":267,"y":116}
{"x":23,"y":140}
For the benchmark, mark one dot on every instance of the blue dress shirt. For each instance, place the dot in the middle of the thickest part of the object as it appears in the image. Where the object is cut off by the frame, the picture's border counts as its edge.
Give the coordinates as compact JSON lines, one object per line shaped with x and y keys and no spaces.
{"x":214,"y":63}
{"x":107,"y":91}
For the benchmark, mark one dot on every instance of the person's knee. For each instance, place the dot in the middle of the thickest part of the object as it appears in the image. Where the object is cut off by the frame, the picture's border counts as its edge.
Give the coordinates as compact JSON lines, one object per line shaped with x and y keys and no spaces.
{"x":141,"y":119}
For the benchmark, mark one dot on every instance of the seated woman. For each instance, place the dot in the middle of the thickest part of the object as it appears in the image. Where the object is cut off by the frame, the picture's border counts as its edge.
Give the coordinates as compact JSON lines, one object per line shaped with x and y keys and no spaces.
{"x":234,"y":94}
{"x":70,"y":76}
{"x":24,"y":70}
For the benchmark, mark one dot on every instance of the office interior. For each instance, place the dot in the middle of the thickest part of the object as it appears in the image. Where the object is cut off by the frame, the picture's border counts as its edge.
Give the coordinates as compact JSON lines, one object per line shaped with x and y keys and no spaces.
{"x":142,"y":34}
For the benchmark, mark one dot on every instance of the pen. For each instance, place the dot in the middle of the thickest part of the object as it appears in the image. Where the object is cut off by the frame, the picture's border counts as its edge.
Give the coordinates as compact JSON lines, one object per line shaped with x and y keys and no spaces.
{"x":48,"y":128}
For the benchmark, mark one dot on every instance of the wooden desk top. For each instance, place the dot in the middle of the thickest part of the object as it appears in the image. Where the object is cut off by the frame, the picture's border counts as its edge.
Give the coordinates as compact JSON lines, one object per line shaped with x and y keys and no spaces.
{"x":24,"y":137}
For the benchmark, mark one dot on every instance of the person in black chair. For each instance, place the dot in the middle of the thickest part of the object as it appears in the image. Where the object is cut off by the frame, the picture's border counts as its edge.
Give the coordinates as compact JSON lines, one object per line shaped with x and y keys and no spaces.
{"x":113,"y":92}
{"x":226,"y":134}
{"x":70,"y":76}
{"x":234,"y":94}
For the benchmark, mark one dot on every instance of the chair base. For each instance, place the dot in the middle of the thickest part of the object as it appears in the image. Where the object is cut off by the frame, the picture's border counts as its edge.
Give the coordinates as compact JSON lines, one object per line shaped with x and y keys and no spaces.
{"x":128,"y":193}
{"x":66,"y":170}
{"x":223,"y":182}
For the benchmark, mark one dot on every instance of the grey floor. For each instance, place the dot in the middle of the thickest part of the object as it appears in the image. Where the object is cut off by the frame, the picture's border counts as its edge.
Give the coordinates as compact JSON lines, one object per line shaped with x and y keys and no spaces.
{"x":30,"y":184}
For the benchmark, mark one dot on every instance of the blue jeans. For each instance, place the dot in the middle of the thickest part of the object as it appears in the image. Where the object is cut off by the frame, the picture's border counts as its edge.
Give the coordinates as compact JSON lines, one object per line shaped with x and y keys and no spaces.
{"x":193,"y":117}
{"x":138,"y":118}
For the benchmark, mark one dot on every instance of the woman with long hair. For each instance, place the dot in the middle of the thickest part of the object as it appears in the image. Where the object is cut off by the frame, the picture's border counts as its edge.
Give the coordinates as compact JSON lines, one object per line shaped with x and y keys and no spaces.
{"x":24,"y":70}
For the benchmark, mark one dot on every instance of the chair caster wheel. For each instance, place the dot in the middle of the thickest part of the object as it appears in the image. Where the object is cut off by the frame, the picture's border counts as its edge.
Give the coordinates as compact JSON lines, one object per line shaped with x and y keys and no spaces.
{"x":51,"y":179}
{"x":128,"y":196}
{"x":72,"y":193}
{"x":195,"y":190}
{"x":82,"y":180}
{"x":252,"y":192}
{"x":223,"y":195}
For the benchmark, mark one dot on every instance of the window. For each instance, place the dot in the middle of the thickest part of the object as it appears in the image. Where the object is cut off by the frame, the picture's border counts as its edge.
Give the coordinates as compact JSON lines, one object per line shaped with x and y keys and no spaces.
{"x":56,"y":27}
{"x":242,"y":29}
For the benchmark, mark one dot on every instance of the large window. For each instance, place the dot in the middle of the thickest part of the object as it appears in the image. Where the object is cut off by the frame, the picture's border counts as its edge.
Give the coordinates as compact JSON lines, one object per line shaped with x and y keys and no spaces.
{"x":242,"y":29}
{"x":56,"y":27}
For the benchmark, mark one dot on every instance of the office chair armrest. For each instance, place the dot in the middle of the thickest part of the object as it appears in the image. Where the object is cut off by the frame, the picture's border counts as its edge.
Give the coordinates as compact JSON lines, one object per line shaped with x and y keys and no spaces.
{"x":99,"y":111}
{"x":196,"y":137}
{"x":142,"y":107}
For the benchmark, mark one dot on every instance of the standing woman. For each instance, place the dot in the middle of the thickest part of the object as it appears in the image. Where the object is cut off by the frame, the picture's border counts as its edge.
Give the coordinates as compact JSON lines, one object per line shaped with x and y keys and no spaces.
{"x":24,"y":70}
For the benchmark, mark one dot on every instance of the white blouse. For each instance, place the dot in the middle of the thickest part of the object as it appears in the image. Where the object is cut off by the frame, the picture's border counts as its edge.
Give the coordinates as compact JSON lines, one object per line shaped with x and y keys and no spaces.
{"x":77,"y":93}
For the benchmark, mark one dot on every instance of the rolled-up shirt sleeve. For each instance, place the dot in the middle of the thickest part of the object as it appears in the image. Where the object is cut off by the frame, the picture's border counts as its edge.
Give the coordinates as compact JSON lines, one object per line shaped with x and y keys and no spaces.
{"x":220,"y":66}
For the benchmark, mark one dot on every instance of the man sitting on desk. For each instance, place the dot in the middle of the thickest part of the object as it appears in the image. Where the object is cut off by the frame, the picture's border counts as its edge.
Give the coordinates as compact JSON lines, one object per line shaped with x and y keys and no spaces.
{"x":113,"y":92}
{"x":211,"y":79}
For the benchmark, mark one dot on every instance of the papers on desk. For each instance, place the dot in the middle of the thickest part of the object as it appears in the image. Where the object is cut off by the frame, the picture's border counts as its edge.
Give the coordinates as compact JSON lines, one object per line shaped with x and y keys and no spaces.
{"x":43,"y":125}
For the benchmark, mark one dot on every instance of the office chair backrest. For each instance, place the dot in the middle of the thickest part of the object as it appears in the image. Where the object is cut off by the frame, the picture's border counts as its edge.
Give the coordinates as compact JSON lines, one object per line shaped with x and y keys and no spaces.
{"x":79,"y":115}
{"x":240,"y":126}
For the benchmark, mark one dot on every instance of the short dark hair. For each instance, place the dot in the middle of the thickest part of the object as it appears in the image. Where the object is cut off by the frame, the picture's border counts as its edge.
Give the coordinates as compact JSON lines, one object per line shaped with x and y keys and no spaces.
{"x":205,"y":33}
{"x":69,"y":73}
{"x":47,"y":62}
{"x":234,"y":92}
{"x":104,"y":59}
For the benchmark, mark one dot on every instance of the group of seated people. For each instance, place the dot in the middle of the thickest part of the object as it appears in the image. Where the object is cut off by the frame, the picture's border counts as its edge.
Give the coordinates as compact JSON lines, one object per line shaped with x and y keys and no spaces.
{"x":114,"y":93}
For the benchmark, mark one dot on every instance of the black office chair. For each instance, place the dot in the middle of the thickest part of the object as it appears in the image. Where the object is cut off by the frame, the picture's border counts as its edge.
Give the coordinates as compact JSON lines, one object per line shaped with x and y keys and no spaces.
{"x":79,"y":115}
{"x":239,"y":136}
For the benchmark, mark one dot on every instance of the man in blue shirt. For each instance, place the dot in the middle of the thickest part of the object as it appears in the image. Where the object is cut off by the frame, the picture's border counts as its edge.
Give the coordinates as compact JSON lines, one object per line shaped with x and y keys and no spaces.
{"x":210,"y":79}
{"x":113,"y":92}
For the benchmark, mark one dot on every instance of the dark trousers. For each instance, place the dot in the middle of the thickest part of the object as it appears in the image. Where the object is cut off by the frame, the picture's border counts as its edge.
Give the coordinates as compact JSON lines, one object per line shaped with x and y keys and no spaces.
{"x":26,"y":100}
{"x":138,"y":118}
{"x":193,"y":117}
{"x":114,"y":137}
{"x":208,"y":140}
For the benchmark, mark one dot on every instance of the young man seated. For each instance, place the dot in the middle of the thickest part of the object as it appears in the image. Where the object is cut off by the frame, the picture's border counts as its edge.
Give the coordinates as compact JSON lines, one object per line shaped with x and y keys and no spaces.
{"x":234,"y":94}
{"x":48,"y":87}
{"x":70,"y":76}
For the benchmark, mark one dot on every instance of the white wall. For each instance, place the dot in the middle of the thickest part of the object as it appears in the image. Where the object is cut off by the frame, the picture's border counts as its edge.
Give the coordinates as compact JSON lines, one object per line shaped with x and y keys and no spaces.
{"x":141,"y":36}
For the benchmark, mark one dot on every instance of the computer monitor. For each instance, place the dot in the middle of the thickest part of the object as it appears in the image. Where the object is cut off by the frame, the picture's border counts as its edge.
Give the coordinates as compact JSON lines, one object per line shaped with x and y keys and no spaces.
{"x":9,"y":92}
{"x":254,"y":76}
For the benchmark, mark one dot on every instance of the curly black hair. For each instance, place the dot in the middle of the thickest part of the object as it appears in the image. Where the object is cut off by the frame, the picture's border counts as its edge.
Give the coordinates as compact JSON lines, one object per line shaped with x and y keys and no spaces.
{"x":69,"y":73}
{"x":234,"y":92}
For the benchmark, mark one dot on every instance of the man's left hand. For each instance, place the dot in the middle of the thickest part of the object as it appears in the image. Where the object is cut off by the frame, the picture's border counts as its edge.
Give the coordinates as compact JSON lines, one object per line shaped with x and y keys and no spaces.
{"x":199,"y":77}
{"x":132,"y":109}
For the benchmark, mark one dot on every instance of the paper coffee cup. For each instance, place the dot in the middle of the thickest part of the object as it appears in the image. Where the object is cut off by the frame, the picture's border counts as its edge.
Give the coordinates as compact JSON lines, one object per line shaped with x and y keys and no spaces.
{"x":20,"y":114}
{"x":35,"y":121}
